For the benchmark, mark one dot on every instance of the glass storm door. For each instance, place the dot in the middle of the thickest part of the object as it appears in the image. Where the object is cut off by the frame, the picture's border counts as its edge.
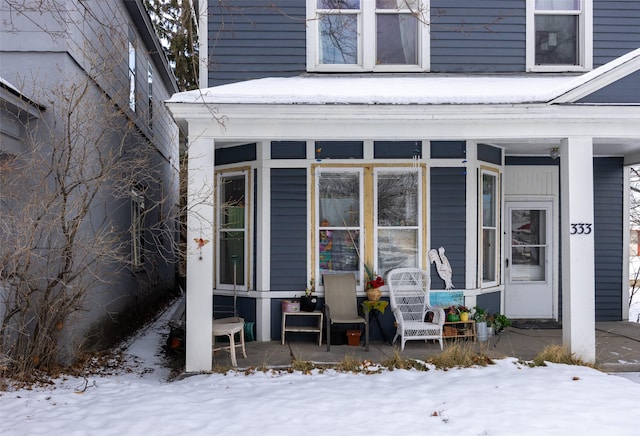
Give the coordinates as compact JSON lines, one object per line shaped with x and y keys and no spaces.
{"x":529,"y":287}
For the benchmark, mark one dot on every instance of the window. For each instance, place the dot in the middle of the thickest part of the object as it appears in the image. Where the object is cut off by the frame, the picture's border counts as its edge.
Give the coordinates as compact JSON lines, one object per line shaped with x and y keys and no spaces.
{"x":397,"y":219}
{"x":232,"y":229}
{"x":559,"y":35}
{"x":150,"y":95}
{"x":348,"y":237}
{"x":339,"y":221}
{"x":132,"y":76}
{"x":137,"y":228}
{"x":489,"y":237}
{"x":368,"y":35}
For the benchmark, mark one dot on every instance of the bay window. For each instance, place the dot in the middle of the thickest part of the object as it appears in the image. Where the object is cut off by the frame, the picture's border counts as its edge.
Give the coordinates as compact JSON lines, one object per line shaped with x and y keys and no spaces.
{"x":367,"y":216}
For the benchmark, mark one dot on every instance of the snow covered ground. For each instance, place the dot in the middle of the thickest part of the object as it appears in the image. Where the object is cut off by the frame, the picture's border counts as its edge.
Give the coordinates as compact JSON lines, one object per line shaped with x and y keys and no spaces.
{"x":502,"y":399}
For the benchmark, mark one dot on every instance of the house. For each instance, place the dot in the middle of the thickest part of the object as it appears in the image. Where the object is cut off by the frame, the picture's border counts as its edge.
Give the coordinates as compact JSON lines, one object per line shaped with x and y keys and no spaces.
{"x":82,"y":86}
{"x":499,"y":130}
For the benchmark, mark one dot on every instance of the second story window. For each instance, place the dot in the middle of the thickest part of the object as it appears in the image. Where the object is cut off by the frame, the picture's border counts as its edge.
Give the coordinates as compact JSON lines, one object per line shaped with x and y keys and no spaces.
{"x":132,"y":76}
{"x":367,"y":35}
{"x":559,"y":35}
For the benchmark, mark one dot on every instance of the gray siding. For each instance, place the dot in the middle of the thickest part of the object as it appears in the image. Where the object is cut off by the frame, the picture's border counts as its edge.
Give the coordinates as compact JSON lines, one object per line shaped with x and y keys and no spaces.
{"x":616,"y":29}
{"x":478,"y":36}
{"x":288,"y":229}
{"x":608,"y":178}
{"x":249,"y":42}
{"x":448,"y":221}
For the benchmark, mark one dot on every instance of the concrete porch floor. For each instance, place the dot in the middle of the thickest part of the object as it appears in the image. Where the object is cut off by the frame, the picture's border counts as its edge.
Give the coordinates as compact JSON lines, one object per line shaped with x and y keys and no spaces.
{"x":617,"y":348}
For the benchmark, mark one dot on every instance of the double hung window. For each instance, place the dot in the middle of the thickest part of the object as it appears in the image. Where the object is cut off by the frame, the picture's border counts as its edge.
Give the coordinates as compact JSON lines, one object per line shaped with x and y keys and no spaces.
{"x":490,"y":234}
{"x":559,"y":35}
{"x":367,"y":35}
{"x":232,"y":229}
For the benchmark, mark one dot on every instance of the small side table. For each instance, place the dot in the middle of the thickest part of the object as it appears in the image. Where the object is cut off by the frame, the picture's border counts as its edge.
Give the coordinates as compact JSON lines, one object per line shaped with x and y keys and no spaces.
{"x":303,"y":328}
{"x":372,"y":311}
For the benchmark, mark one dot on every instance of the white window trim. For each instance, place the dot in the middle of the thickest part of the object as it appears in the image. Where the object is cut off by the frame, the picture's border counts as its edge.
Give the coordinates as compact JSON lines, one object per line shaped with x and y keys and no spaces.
{"x":585,"y":41}
{"x":132,"y":60}
{"x":498,"y":242}
{"x":366,"y":42}
{"x":219,"y":177}
{"x":418,"y":227}
{"x":316,"y":219}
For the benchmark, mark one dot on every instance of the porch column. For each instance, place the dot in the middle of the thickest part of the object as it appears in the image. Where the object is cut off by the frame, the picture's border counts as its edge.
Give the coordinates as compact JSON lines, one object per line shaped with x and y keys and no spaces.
{"x":263,"y":244}
{"x":578,"y":260}
{"x":200,"y":261}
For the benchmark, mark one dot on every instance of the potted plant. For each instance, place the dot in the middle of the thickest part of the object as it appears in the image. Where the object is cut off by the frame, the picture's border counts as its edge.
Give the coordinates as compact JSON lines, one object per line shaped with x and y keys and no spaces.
{"x":457,"y":313}
{"x":373,"y":284}
{"x":309,"y":301}
{"x":480,"y":317}
{"x":498,"y":322}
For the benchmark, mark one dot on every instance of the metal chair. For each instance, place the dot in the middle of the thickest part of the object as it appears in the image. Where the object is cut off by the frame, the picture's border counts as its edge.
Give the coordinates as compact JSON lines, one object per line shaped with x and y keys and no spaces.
{"x":341,"y":303}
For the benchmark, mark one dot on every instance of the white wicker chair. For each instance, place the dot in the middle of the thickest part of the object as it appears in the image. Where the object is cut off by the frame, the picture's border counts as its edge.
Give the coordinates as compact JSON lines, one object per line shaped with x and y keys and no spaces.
{"x":409,"y":295}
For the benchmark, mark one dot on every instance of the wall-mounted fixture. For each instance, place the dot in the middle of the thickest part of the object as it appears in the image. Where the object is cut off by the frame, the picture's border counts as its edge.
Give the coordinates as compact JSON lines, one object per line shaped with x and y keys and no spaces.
{"x":555,"y":152}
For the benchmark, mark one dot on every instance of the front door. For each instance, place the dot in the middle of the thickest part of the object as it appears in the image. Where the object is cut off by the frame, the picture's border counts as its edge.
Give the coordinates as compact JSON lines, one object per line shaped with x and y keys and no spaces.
{"x":529,"y":285}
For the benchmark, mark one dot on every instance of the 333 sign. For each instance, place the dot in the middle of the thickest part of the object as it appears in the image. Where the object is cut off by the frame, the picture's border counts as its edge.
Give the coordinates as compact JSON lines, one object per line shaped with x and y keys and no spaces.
{"x":581,"y":228}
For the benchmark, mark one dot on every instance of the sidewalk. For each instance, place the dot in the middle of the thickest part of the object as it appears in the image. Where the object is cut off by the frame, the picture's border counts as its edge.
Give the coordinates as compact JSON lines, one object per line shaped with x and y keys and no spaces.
{"x":617,"y":348}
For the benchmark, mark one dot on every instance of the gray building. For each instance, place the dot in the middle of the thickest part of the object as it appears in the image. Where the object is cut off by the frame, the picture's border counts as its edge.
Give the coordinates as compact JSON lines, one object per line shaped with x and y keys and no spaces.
{"x":90,"y":230}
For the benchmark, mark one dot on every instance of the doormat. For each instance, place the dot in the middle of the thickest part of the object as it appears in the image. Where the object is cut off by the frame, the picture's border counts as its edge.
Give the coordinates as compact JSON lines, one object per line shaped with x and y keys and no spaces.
{"x":535,"y":324}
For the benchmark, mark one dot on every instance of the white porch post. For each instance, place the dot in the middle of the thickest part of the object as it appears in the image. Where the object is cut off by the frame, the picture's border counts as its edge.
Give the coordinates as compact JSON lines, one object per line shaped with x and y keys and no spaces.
{"x":263,"y":245}
{"x":200,"y":261}
{"x":578,"y":260}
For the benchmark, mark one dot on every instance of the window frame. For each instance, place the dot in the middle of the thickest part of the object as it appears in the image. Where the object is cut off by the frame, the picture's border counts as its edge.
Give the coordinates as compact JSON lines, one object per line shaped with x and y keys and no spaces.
{"x":419,"y":214}
{"x":584,"y":38}
{"x":368,"y":224}
{"x":137,"y":227}
{"x":497,"y":240}
{"x":131,"y":62}
{"x":367,"y":42}
{"x":221,"y":176}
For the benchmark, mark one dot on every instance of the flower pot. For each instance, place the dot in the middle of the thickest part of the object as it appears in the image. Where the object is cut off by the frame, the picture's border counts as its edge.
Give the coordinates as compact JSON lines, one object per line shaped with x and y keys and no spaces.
{"x":453,"y":317}
{"x":353,"y":337}
{"x":290,"y":306}
{"x":374,"y":294}
{"x":464,"y":316}
{"x":308,"y":304}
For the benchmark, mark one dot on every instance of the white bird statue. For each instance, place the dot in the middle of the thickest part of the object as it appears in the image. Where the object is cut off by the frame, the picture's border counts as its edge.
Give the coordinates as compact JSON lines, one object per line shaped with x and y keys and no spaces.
{"x":442,"y":266}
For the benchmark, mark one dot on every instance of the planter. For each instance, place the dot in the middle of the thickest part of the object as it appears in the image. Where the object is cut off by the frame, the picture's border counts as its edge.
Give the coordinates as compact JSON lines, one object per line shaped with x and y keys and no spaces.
{"x":464,"y":316}
{"x":308,"y":304}
{"x":374,"y":294}
{"x":483,"y":334}
{"x":353,"y":337}
{"x":290,"y":306}
{"x":453,"y":317}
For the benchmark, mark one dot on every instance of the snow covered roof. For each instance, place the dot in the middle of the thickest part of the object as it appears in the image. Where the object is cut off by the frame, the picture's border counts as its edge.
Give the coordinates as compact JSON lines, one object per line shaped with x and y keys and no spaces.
{"x":409,"y":90}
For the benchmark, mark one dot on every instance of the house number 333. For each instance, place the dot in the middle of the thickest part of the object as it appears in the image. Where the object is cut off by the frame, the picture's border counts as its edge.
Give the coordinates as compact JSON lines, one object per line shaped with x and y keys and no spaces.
{"x":581,"y":228}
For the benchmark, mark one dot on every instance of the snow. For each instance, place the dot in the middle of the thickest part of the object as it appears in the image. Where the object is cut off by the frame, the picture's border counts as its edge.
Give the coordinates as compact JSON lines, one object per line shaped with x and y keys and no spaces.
{"x":502,"y":399}
{"x":382,"y":90}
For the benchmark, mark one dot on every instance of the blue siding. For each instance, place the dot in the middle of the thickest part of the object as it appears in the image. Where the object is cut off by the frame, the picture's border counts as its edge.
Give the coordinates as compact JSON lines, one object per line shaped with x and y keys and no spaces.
{"x":240,"y":153}
{"x":616,"y":29}
{"x":448,"y":221}
{"x":625,"y":90}
{"x":448,"y":149}
{"x":249,"y":42}
{"x":608,"y":175}
{"x":397,"y":149}
{"x":288,"y":229}
{"x":478,"y":36}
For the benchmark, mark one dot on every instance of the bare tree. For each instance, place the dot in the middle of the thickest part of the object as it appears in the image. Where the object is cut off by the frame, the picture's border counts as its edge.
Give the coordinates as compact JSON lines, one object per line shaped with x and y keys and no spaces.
{"x":634,"y":214}
{"x":87,"y":209}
